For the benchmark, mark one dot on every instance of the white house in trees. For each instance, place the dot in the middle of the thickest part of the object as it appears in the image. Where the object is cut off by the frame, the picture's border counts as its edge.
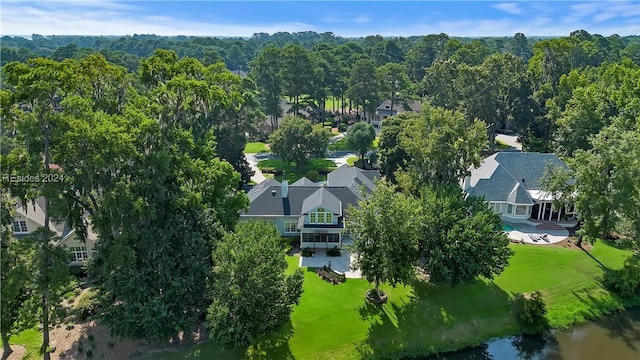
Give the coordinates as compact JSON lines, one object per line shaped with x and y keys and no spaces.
{"x":511,"y":183}
{"x":29,"y":217}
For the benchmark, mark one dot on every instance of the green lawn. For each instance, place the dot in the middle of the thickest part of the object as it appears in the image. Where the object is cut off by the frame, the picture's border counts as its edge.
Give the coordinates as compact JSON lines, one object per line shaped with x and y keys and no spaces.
{"x":32,"y":340}
{"x":256,"y":147}
{"x":501,"y":145}
{"x":340,"y":145}
{"x":292,"y":174}
{"x":334,"y":322}
{"x":352,"y":160}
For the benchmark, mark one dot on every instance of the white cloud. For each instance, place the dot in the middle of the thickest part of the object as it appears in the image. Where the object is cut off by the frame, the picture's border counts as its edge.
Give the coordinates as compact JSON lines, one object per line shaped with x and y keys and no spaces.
{"x":109,"y":18}
{"x":361,"y":19}
{"x":511,"y":8}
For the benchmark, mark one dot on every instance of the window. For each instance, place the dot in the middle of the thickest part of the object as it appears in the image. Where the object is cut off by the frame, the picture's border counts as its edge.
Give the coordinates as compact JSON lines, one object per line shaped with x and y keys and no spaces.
{"x":307,"y":237}
{"x":333,"y":238}
{"x":321,"y":216}
{"x":20,"y":226}
{"x":496,"y":207}
{"x":290,"y":226}
{"x":78,"y":253}
{"x":522,"y":209}
{"x":509,"y":209}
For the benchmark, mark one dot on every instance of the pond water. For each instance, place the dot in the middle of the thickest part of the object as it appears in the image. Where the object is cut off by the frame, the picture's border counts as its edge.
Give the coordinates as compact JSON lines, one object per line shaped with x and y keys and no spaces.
{"x":615,"y":336}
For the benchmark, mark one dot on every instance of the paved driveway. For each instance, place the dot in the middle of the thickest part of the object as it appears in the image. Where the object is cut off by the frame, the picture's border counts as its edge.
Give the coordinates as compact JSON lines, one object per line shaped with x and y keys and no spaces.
{"x":510,"y":140}
{"x":253,"y":160}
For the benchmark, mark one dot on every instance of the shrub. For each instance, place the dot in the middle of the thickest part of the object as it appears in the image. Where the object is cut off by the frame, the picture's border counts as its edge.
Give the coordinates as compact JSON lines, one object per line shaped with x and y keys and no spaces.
{"x":373,"y":157}
{"x":80,"y":347}
{"x":333,"y":252}
{"x":531,"y":313}
{"x":306,"y":252}
{"x":342,"y":127}
{"x":87,"y":305}
{"x":313,"y":175}
{"x":89,"y":353}
{"x":626,"y":281}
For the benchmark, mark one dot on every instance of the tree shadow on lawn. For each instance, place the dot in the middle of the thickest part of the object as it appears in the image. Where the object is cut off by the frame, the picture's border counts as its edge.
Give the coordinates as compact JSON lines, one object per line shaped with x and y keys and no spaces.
{"x":436,"y":319}
{"x":275,"y":346}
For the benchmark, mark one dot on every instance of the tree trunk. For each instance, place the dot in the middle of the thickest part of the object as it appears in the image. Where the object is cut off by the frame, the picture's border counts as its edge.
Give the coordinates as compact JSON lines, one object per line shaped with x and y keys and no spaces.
{"x":377,"y":288}
{"x":6,"y":347}
{"x":44,"y":246}
{"x":579,"y":244}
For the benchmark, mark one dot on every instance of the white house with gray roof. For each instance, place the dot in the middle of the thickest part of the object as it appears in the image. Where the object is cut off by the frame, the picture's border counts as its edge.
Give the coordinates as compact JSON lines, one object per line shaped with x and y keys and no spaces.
{"x":29,"y":217}
{"x":314,"y":212}
{"x":511,"y":183}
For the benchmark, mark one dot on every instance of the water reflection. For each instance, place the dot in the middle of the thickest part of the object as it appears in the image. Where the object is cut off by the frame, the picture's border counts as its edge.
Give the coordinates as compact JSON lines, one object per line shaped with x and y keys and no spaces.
{"x":611,"y":337}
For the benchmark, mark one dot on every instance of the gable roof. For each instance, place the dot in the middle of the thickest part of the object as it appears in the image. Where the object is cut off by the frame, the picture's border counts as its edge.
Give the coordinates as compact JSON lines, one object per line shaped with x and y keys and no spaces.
{"x":34,"y":211}
{"x":304,"y":182}
{"x":400,"y":106}
{"x":353,"y":178}
{"x":511,"y":176}
{"x":271,"y":203}
{"x":322,"y":198}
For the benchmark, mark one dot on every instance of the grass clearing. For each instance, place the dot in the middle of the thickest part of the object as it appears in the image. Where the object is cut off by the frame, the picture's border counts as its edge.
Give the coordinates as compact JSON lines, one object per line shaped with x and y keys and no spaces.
{"x":335,"y":322}
{"x":256,"y":147}
{"x":352,"y":160}
{"x":340,"y":145}
{"x":286,"y":171}
{"x":501,"y":145}
{"x":31,"y":339}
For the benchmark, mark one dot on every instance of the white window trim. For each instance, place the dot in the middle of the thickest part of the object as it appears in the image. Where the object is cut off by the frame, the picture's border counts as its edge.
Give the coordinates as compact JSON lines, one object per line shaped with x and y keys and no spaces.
{"x":287,"y":226}
{"x":81,"y":251}
{"x":325,"y":214}
{"x":22,"y":224}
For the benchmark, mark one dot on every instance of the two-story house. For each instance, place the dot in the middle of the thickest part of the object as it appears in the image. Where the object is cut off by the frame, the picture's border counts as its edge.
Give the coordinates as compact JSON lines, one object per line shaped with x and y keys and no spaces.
{"x":29,"y":217}
{"x":313,"y":212}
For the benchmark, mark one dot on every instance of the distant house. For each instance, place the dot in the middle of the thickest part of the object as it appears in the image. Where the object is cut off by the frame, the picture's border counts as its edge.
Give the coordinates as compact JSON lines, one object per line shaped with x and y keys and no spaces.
{"x":384,"y":110}
{"x":29,"y":217}
{"x":511,"y":183}
{"x":313,"y":212}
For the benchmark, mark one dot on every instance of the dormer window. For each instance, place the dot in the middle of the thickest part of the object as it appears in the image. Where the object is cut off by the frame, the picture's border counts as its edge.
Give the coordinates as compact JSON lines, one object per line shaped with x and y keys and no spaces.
{"x":20,"y":227}
{"x":321,"y":216}
{"x":387,"y":107}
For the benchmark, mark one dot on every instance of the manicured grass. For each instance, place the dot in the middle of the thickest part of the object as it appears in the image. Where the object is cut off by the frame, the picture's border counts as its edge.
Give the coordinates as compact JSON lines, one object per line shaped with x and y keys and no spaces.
{"x":501,"y":145}
{"x":329,"y":104}
{"x":340,"y":145}
{"x":335,"y":322}
{"x":31,"y":339}
{"x":292,"y":174}
{"x":352,"y":160}
{"x":256,"y":147}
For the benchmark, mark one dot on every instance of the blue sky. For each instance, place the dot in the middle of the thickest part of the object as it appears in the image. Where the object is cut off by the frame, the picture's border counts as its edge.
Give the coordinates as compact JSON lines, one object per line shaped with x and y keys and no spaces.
{"x":344,"y":18}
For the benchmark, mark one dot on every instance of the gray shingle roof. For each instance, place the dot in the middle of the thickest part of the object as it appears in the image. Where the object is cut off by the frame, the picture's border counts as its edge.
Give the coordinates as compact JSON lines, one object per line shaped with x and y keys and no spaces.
{"x":257,"y":190}
{"x":268,"y":204}
{"x":352,"y":178}
{"x":322,"y":198}
{"x":506,"y":176}
{"x":304,"y":182}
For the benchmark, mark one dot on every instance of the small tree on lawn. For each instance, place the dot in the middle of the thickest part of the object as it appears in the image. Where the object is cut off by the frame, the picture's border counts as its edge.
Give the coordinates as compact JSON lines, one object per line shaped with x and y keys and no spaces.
{"x":360,"y":137}
{"x":252,"y":296}
{"x":384,"y":232}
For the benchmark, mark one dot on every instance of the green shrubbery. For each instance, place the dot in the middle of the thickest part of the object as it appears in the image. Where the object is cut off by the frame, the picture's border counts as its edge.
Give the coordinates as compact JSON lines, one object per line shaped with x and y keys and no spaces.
{"x":87,"y":305}
{"x":306,"y":252}
{"x":342,"y":127}
{"x":626,"y":281}
{"x":313,"y":175}
{"x":333,"y":252}
{"x":531,"y":313}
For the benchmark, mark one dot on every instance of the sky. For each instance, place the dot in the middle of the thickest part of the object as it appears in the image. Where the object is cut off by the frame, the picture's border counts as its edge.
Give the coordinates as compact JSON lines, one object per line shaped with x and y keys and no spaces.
{"x":343,"y":18}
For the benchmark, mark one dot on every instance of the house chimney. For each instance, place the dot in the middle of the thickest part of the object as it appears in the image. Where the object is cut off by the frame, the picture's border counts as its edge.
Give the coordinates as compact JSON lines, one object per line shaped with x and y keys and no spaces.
{"x":285,"y":189}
